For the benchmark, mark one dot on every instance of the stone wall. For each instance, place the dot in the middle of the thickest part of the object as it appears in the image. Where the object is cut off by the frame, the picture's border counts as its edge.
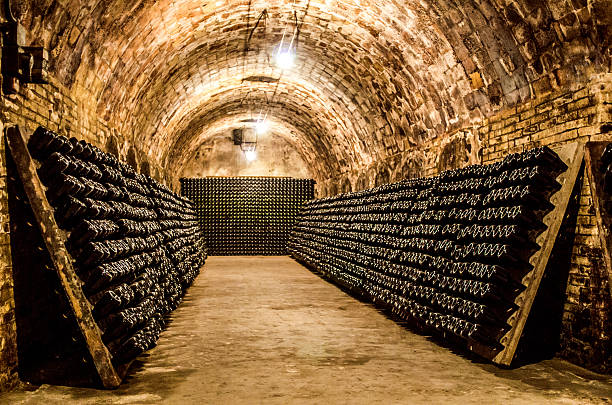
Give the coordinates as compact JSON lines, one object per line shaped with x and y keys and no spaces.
{"x":586,"y":329}
{"x":218,"y":156}
{"x":8,"y":333}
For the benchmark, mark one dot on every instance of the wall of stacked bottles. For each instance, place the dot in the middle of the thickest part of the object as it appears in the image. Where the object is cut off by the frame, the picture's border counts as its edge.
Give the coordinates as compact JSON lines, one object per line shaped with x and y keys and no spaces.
{"x":247,"y":215}
{"x":447,"y":252}
{"x":137,"y":246}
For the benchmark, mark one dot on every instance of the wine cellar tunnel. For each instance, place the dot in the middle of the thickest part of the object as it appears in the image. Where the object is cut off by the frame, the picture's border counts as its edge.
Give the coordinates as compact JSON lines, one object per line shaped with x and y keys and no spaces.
{"x":198,"y":104}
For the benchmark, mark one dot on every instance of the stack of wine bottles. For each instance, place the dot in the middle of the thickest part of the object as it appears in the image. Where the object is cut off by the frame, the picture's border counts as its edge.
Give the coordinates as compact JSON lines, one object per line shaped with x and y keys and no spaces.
{"x":447,"y":253}
{"x":247,"y":215}
{"x":137,"y":246}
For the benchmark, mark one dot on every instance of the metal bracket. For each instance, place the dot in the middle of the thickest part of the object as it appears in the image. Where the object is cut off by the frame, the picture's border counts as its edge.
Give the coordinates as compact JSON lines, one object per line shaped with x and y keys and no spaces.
{"x":20,"y":64}
{"x":237,"y":136}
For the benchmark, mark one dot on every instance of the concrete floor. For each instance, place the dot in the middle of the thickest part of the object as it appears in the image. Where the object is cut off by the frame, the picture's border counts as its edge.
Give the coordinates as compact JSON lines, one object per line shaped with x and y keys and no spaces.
{"x":266,"y":330}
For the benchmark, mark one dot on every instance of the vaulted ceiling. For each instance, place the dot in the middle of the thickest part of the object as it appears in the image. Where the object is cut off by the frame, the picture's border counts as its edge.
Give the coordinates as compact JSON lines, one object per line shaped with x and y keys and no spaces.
{"x":372,"y":78}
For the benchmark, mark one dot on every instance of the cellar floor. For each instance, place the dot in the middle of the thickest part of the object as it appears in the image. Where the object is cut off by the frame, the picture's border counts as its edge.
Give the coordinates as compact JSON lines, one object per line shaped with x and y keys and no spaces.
{"x":266,"y":330}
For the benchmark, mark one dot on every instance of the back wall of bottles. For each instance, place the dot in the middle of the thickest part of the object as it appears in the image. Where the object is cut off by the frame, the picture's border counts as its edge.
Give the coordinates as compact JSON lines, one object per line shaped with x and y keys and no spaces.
{"x":247,"y":215}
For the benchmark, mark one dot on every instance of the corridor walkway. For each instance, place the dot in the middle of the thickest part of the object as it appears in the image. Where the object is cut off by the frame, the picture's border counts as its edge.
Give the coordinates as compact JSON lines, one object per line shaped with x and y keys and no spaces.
{"x":266,"y":330}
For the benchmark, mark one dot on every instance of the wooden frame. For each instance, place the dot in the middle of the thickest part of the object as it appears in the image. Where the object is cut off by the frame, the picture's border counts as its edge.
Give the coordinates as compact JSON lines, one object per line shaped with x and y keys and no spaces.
{"x":573,"y":155}
{"x":54,"y":239}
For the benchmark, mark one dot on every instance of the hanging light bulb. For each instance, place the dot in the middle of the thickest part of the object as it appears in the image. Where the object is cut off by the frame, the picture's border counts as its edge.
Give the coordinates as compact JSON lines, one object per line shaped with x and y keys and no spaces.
{"x":285,"y":60}
{"x":250,"y":155}
{"x":262,"y":126}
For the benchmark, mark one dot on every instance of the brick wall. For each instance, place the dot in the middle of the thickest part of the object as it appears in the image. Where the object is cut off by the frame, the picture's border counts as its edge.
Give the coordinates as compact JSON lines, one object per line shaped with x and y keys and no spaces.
{"x":579,"y":115}
{"x":586,"y":333}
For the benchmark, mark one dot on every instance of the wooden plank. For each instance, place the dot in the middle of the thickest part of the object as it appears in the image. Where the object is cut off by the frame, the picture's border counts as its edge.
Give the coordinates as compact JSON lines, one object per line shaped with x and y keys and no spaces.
{"x":54,"y":241}
{"x":572,"y":154}
{"x":52,"y":349}
{"x":604,"y":222}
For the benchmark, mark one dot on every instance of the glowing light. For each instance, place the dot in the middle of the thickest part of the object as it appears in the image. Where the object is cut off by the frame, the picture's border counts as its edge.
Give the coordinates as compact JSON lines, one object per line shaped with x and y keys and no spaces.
{"x":285,"y":60}
{"x":261,"y":127}
{"x":250,"y":155}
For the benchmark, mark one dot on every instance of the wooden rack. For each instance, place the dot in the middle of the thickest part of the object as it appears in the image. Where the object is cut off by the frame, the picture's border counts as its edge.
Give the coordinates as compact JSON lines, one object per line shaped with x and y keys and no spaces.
{"x":54,"y":240}
{"x":573,"y":155}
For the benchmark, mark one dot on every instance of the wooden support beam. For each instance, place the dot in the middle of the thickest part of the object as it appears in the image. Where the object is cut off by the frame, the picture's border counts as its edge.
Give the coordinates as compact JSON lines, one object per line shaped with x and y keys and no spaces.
{"x":54,"y":239}
{"x":573,"y":155}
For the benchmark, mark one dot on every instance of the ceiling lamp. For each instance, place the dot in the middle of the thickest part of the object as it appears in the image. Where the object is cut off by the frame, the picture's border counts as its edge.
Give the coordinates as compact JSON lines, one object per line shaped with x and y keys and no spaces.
{"x":250,"y":155}
{"x":285,"y":60}
{"x":262,"y":126}
{"x":249,"y":144}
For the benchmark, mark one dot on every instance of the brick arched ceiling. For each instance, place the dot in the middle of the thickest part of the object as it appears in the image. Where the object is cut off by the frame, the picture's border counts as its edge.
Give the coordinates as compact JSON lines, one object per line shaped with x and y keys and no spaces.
{"x":372,"y":78}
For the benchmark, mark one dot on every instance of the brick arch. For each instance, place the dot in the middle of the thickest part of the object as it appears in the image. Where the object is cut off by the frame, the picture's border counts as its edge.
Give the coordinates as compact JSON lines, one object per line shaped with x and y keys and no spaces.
{"x":363,"y":182}
{"x":410,"y":167}
{"x":383,"y":175}
{"x":132,"y":158}
{"x":345,"y":185}
{"x":145,"y":167}
{"x":112,"y":146}
{"x":315,"y":125}
{"x":395,"y":74}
